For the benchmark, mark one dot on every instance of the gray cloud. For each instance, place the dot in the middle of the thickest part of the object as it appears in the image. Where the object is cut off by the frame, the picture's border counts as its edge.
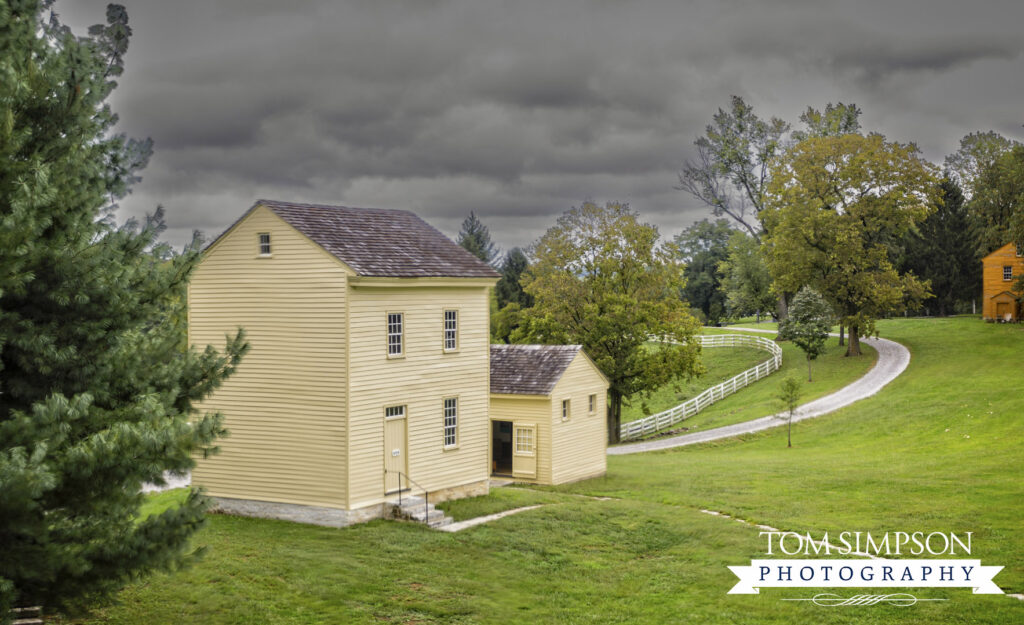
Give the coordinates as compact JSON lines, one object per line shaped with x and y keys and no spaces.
{"x":520,"y":110}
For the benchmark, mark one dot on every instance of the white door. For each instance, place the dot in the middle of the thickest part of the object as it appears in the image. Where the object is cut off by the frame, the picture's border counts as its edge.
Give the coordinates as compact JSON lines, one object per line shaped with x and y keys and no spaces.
{"x":524,"y":450}
{"x":396,"y":464}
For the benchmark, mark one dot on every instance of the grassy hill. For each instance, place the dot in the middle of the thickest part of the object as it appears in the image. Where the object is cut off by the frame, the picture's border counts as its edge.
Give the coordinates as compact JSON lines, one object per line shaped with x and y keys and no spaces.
{"x":938,"y":450}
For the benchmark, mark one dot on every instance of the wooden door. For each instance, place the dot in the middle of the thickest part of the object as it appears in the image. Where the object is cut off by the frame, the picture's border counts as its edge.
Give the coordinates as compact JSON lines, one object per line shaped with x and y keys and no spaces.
{"x":524,"y":450}
{"x":396,"y":462}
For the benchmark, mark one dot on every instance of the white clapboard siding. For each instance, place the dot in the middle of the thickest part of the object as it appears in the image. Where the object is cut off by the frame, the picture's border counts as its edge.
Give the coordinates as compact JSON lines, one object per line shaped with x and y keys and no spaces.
{"x":285,"y":406}
{"x":420,"y":380}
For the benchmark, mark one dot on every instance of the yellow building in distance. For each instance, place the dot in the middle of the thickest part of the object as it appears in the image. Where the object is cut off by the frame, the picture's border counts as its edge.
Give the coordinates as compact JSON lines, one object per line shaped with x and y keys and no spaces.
{"x":369,"y":368}
{"x":1000,"y":270}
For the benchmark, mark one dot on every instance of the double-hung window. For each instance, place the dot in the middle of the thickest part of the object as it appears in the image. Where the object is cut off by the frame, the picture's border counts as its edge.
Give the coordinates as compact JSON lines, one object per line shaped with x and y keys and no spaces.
{"x":451,"y":330}
{"x":1007,"y":272}
{"x":264,"y":244}
{"x":593,"y":403}
{"x":451,"y":422}
{"x":565,"y":410}
{"x":396,"y":328}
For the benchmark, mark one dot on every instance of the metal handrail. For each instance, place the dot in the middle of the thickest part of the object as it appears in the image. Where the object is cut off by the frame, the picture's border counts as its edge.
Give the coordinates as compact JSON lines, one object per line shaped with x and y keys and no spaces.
{"x":426,"y":495}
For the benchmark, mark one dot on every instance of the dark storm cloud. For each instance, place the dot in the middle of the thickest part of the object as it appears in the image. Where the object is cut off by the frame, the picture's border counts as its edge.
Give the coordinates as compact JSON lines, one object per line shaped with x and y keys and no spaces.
{"x":519,"y":111}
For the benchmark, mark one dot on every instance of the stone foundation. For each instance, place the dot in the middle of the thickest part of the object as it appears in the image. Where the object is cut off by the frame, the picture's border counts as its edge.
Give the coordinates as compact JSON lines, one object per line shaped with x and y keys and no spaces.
{"x":333,"y":517}
{"x":311,"y":515}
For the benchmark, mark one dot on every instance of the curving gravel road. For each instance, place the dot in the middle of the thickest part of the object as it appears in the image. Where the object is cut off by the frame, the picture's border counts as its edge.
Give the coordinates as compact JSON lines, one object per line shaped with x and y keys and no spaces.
{"x":893,"y":358}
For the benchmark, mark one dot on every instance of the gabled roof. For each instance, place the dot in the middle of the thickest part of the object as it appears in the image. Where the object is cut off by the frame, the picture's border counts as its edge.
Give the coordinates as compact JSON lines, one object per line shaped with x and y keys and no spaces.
{"x":1010,"y":294}
{"x":529,"y":369}
{"x":379,"y":242}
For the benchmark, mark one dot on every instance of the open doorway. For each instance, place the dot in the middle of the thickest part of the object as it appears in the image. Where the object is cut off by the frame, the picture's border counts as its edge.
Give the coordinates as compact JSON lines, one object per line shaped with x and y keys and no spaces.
{"x":501,"y":447}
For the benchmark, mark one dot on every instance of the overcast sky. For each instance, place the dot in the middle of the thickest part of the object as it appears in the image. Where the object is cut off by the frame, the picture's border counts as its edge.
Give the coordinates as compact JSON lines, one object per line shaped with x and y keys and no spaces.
{"x":520,"y":110}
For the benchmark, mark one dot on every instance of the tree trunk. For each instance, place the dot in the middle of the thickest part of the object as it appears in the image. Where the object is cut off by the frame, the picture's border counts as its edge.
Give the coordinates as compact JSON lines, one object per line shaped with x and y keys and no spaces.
{"x":809,"y":369}
{"x":782,"y":308}
{"x":841,"y":328}
{"x":853,"y":349}
{"x":614,"y":416}
{"x":789,"y":430}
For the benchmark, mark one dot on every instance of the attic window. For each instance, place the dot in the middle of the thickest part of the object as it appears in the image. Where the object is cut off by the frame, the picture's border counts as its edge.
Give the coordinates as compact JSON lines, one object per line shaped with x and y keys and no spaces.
{"x":264,"y":244}
{"x":593,"y":403}
{"x":565,"y":410}
{"x":1007,"y":272}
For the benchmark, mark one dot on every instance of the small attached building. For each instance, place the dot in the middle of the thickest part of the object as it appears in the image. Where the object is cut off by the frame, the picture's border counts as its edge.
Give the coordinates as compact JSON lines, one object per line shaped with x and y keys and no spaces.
{"x":548,"y":414}
{"x":1000,"y":271}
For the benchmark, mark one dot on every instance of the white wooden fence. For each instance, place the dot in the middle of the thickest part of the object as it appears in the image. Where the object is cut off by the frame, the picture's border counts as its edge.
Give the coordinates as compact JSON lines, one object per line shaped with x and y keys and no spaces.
{"x":649,"y":425}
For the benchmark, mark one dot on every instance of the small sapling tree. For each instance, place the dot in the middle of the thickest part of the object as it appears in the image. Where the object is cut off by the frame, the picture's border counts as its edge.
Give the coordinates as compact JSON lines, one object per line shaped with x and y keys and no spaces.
{"x":789,"y":395}
{"x":810,"y":318}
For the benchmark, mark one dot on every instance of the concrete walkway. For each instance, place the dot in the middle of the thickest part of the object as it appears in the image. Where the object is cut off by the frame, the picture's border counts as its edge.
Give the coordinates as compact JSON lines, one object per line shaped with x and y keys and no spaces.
{"x":480,"y":520}
{"x":893,"y":358}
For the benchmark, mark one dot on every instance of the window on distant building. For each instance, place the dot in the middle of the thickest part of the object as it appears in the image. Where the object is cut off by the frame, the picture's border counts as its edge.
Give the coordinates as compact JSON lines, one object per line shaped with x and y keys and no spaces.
{"x":395,"y":335}
{"x":565,"y":410}
{"x":451,"y":422}
{"x":1007,"y":272}
{"x":264,"y":244}
{"x":451,"y":330}
{"x":593,"y":403}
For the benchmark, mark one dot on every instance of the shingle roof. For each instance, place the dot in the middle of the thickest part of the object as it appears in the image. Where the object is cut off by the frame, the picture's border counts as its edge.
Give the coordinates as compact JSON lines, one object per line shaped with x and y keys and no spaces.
{"x":529,"y":369}
{"x":381,"y":242}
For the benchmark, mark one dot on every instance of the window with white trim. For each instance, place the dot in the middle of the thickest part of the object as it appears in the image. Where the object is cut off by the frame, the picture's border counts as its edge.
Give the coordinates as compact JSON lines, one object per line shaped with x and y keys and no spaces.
{"x":524,"y":440}
{"x":395,"y":334}
{"x":264,"y":244}
{"x":451,"y":421}
{"x":1007,"y":272}
{"x":593,"y":403}
{"x":451,"y":330}
{"x":565,"y":410}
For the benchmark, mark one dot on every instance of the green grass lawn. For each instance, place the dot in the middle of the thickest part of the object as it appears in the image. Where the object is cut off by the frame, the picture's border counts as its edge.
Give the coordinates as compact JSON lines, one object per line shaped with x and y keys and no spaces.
{"x":939,"y":449}
{"x":831,"y":371}
{"x":720,"y":364}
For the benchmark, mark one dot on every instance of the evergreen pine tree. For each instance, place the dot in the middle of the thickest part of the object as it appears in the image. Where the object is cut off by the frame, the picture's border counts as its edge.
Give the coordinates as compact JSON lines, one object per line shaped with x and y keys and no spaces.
{"x":475,"y":237}
{"x":509,"y":288}
{"x":97,"y":386}
{"x":943,"y":250}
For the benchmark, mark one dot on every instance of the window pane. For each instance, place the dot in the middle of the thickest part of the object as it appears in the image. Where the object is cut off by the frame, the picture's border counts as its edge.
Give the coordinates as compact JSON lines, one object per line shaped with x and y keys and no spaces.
{"x":451,"y":421}
{"x":451,"y":326}
{"x":524,"y":440}
{"x":265,"y":243}
{"x":394,"y":333}
{"x":394,"y":411}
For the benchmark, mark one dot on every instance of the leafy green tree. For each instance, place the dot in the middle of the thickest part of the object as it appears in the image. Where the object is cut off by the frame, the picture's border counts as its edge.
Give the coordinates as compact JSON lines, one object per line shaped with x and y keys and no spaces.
{"x":474,"y":236}
{"x":978,"y":151}
{"x":733,"y":166}
{"x":746,"y":281}
{"x":837,"y":208}
{"x":998,"y":198}
{"x":810,"y":319}
{"x":789,"y":396}
{"x":734,"y":156}
{"x":942,"y":250}
{"x":98,"y":388}
{"x":509,"y":288}
{"x":702,"y":247}
{"x":836,"y":120}
{"x":601,"y":279}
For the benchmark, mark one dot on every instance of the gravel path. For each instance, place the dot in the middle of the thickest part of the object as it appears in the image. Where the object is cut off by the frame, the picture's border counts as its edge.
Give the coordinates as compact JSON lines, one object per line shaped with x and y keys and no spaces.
{"x":893,"y":358}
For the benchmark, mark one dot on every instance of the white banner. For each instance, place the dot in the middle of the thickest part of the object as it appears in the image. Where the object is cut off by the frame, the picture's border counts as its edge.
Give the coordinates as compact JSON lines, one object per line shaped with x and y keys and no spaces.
{"x":865,"y":574}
